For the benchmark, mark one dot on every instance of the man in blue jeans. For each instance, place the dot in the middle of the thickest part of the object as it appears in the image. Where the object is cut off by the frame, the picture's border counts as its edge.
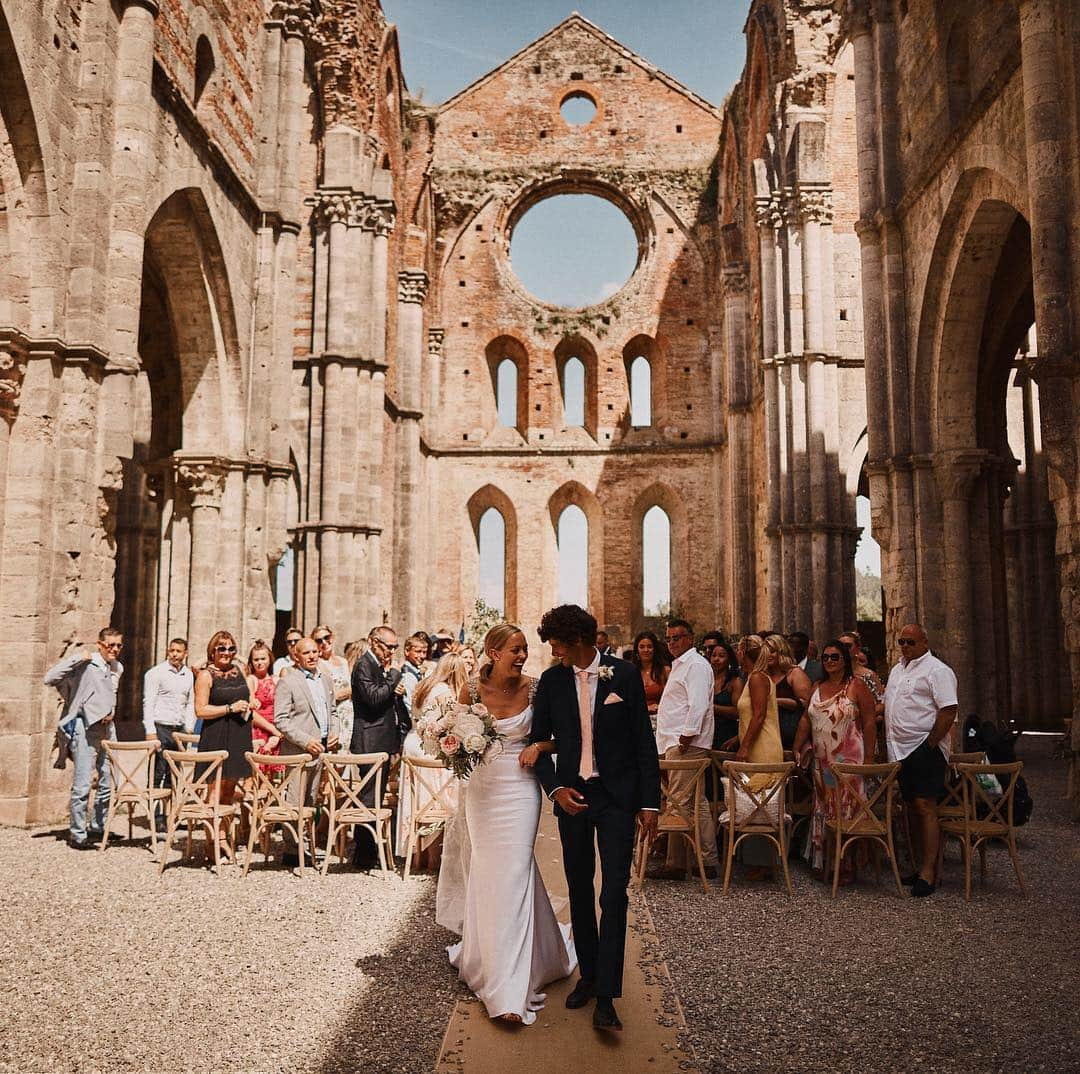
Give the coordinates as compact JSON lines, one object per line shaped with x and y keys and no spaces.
{"x":87,"y":683}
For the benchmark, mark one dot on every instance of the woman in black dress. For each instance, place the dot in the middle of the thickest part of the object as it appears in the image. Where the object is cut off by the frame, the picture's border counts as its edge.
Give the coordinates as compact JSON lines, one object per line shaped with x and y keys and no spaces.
{"x":222,"y":701}
{"x":727,"y":687}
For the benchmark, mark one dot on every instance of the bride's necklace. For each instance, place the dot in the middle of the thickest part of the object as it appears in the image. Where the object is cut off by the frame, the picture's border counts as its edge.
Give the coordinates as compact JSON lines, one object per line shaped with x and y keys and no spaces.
{"x":509,"y":691}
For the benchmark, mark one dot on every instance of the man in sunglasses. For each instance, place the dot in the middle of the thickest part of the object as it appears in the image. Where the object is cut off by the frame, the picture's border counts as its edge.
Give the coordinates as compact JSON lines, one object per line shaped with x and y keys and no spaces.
{"x":380,"y":719}
{"x":87,"y":682}
{"x":292,"y":636}
{"x":920,"y":707}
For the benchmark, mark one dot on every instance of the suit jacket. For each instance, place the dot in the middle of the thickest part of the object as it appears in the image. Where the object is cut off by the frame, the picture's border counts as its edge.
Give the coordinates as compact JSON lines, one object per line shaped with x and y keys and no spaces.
{"x":294,"y":710}
{"x":87,"y":687}
{"x":380,"y":719}
{"x":623,"y":739}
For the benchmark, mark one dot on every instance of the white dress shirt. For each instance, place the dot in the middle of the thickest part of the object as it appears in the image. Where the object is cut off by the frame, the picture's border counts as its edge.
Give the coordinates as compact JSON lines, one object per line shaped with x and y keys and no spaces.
{"x":916,"y":692}
{"x":686,"y":705}
{"x":168,"y":697}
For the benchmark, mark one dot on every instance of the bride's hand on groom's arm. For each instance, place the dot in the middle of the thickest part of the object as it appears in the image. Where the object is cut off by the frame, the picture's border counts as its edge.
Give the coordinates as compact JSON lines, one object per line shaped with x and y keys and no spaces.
{"x":529,"y":756}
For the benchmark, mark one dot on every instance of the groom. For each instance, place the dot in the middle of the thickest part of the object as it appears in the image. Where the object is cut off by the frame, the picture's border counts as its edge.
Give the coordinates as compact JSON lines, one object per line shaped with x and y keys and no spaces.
{"x":604,"y":776}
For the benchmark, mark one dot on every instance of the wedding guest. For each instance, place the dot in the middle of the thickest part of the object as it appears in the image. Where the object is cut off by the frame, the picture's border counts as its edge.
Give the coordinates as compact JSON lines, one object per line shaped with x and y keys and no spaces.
{"x":684,"y":732}
{"x":920,"y":707}
{"x":759,"y":737}
{"x":168,"y":707}
{"x":468,"y":654}
{"x":604,"y":643}
{"x":305,"y":713}
{"x":222,"y":701}
{"x":727,"y":688}
{"x":292,"y":636}
{"x":258,"y":669}
{"x":793,"y":686}
{"x":380,"y":720}
{"x":446,"y":682}
{"x":840,"y":723}
{"x":653,"y":662}
{"x":799,"y":643}
{"x":442,"y":642}
{"x":337,"y":667}
{"x":353,"y":651}
{"x":87,"y":683}
{"x":412,"y":670}
{"x":709,"y":642}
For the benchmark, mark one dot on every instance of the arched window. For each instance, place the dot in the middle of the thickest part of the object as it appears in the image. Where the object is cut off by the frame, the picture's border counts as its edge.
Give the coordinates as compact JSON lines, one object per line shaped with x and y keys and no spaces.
{"x":656,"y":562}
{"x":573,"y":392}
{"x":506,"y":392}
{"x":492,"y":544}
{"x":573,"y":538}
{"x":204,"y":65}
{"x":640,"y":393}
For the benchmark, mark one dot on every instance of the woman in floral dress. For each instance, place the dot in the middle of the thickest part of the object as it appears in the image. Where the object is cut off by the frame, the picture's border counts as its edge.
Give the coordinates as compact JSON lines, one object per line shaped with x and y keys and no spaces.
{"x":840,"y":720}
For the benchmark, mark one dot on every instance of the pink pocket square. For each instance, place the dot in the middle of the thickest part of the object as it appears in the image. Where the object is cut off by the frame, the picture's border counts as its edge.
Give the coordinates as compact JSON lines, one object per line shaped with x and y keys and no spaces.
{"x":612,"y":699}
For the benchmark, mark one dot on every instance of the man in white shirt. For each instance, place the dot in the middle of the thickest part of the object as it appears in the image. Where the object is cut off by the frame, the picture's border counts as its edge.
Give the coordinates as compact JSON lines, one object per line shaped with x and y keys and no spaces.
{"x":684,"y":732}
{"x":292,"y":636}
{"x":920,"y":707}
{"x":168,"y":705}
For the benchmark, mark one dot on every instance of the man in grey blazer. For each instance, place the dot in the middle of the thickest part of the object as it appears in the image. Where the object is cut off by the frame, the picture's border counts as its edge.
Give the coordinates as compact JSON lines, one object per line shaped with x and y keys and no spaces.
{"x":87,"y":683}
{"x":305,"y":716}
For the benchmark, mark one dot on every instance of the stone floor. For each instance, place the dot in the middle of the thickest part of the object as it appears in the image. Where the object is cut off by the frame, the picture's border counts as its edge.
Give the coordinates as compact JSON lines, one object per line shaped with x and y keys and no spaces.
{"x":104,"y":967}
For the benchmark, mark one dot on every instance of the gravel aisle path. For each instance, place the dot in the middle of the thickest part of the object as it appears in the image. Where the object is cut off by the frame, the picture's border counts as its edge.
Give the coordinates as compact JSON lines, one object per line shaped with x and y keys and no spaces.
{"x":105,"y":968}
{"x":872,"y":982}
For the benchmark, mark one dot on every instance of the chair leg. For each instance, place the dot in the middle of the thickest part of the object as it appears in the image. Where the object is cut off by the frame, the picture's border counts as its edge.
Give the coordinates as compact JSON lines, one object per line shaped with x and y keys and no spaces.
{"x":700,"y":860}
{"x":890,"y":849}
{"x":784,"y":863}
{"x":728,"y":858}
{"x":1011,"y":843}
{"x":967,"y":848}
{"x":131,"y":822}
{"x":837,"y":856}
{"x":108,"y":824}
{"x":982,"y":863}
{"x":166,"y":845}
{"x":213,"y":831}
{"x":301,"y":838}
{"x":254,"y":830}
{"x":410,"y":847}
{"x":330,"y":834}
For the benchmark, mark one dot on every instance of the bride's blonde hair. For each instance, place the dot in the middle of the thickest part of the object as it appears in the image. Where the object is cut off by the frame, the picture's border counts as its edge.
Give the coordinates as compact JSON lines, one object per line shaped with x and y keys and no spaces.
{"x":494,"y":640}
{"x":451,"y":670}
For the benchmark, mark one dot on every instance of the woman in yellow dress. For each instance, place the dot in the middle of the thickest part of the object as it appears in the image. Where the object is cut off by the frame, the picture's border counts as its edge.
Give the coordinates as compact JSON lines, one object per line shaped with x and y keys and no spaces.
{"x":759,"y":739}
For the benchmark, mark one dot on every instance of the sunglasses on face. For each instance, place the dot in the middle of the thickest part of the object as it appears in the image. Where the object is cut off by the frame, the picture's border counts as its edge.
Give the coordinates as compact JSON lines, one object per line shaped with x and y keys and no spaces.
{"x":323,"y":639}
{"x":229,"y":649}
{"x":905,"y":642}
{"x":111,"y":644}
{"x":290,"y":642}
{"x":675,"y":637}
{"x":829,"y":658}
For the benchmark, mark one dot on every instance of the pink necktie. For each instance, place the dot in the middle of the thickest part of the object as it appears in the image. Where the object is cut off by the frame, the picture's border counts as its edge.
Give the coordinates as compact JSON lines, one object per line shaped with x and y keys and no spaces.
{"x":585,"y":711}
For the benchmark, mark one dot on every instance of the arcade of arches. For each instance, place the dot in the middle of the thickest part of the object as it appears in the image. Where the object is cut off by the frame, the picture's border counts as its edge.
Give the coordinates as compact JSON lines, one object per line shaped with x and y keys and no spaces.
{"x":257,"y":306}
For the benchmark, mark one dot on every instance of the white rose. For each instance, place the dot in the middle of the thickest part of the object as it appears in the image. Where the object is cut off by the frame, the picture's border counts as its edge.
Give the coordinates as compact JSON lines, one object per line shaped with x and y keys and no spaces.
{"x":475,"y":743}
{"x":468,"y":726}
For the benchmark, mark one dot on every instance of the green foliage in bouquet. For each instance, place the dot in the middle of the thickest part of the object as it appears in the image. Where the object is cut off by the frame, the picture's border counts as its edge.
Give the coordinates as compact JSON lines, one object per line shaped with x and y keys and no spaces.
{"x":482,"y":619}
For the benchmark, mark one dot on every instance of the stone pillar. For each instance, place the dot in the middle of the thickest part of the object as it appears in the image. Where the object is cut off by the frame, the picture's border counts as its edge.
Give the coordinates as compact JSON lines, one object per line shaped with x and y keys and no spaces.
{"x":133,"y":115}
{"x":412,"y":291}
{"x":382,"y":221}
{"x":204,"y":483}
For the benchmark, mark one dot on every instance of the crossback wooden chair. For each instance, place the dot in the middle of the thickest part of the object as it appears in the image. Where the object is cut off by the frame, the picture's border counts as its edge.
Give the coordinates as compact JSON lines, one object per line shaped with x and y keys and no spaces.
{"x":347,"y":775}
{"x":717,"y":758}
{"x":196,"y":799}
{"x":431,"y":798}
{"x":763,"y":812}
{"x":986,"y":817}
{"x":678,"y":811}
{"x":873,"y":814}
{"x":951,"y":804}
{"x":279,"y":799}
{"x":131,"y":765}
{"x":800,"y":796}
{"x":186,"y":741}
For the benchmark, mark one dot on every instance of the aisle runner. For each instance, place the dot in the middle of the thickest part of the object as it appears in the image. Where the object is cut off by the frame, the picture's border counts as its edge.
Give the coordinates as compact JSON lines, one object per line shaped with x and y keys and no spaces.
{"x":562,"y":1040}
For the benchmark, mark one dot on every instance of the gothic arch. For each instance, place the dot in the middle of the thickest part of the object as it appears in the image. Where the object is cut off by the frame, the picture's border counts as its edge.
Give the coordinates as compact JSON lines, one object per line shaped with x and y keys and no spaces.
{"x":650,"y":348}
{"x":577,"y":346}
{"x":665,"y":497}
{"x":480,"y":501}
{"x":495,"y":352}
{"x":573,"y":492}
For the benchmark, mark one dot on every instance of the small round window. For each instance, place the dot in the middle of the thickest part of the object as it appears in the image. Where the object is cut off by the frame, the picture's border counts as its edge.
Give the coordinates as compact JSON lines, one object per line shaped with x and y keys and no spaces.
{"x":577,"y":109}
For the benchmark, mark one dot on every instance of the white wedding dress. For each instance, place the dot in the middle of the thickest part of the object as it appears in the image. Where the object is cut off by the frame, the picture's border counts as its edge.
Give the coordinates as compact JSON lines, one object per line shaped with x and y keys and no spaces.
{"x":511,"y":943}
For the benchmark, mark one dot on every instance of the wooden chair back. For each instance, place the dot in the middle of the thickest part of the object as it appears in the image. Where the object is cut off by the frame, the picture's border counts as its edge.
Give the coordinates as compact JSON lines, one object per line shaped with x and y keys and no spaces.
{"x":758,"y":821}
{"x":346,"y":777}
{"x":717,"y":758}
{"x":431,"y":799}
{"x":678,"y":808}
{"x":952,"y":799}
{"x":186,"y":741}
{"x":131,"y":766}
{"x":872,"y":816}
{"x":196,"y":798}
{"x":278,"y":798}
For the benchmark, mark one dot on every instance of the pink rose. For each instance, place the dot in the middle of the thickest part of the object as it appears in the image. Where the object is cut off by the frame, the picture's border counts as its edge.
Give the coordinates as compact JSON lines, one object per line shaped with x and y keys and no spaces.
{"x":449,"y":744}
{"x":479,"y":710}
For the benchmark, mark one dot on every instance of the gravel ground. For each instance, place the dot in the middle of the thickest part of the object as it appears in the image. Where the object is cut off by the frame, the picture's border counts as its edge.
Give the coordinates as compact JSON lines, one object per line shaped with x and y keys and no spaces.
{"x":873,"y":982}
{"x":103,"y":967}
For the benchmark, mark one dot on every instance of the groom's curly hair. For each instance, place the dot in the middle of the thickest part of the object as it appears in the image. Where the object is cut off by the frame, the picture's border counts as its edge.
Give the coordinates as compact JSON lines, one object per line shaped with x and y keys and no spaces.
{"x":568,"y":624}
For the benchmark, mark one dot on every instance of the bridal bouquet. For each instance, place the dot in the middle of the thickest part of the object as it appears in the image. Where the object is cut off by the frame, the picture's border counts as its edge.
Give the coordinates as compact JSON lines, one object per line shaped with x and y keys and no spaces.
{"x":460,"y":736}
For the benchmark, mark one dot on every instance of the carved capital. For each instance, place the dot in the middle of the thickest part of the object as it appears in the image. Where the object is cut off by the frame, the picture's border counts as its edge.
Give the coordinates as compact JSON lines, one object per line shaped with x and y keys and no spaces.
{"x":857,"y":18}
{"x":955,"y":472}
{"x":332,"y":207}
{"x":412,"y":286}
{"x":435,"y":339}
{"x":815,"y":205}
{"x":12,"y":371}
{"x":768,"y":213}
{"x":735,"y":282}
{"x":383,"y":213}
{"x":294,"y":16}
{"x":204,"y":483}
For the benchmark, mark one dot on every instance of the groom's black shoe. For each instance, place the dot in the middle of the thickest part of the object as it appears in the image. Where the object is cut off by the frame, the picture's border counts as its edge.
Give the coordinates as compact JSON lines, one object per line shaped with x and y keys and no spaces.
{"x":583,"y":991}
{"x":604,"y":1017}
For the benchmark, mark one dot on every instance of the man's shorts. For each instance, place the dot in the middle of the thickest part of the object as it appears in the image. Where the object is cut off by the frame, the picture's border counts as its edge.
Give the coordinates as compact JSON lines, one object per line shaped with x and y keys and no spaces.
{"x":922,"y":773}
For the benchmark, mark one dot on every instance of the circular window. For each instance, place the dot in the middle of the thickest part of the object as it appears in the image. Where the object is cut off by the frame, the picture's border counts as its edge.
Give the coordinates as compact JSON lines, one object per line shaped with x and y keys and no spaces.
{"x":577,"y":109}
{"x":573,"y":249}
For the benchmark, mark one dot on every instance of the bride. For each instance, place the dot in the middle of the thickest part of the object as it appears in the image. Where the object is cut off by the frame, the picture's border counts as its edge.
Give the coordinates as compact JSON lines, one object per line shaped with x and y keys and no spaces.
{"x":511,"y":943}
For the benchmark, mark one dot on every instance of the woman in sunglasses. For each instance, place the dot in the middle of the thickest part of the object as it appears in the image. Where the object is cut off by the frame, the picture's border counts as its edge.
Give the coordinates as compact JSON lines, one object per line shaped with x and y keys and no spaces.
{"x":840,"y":722}
{"x":223,"y":702}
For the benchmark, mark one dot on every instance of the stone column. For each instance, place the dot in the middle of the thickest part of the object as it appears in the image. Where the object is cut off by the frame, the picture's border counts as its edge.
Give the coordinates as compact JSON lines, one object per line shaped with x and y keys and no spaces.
{"x":382,"y":222}
{"x":12,"y":371}
{"x":412,"y":291}
{"x":133,"y":115}
{"x":204,"y":483}
{"x":955,"y":474}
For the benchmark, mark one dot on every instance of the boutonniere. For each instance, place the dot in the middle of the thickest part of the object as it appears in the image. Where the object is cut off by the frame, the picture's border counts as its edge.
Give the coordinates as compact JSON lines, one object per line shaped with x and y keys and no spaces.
{"x":605,"y":673}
